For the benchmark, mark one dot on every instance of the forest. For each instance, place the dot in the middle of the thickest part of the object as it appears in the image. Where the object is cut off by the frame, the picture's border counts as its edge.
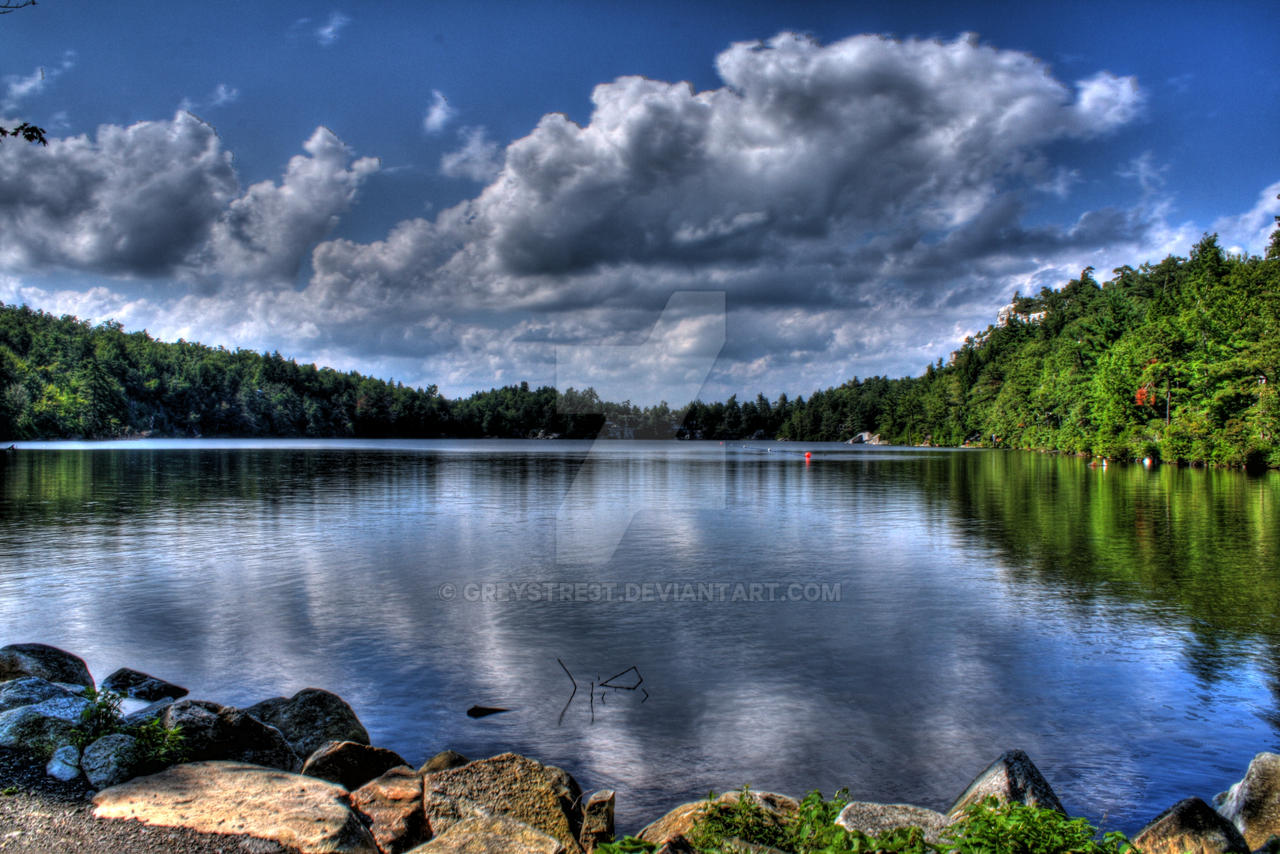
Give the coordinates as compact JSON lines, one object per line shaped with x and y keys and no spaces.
{"x":1176,"y":361}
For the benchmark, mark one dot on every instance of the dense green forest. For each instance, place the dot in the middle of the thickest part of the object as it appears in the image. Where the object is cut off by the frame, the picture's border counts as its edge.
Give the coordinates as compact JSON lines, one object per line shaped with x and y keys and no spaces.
{"x":1176,"y":361}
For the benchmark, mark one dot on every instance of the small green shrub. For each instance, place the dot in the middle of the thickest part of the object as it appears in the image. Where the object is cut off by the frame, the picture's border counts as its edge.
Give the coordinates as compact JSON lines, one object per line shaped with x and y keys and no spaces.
{"x":991,"y":827}
{"x":815,"y":832}
{"x":626,"y":845}
{"x":745,"y":819}
{"x":158,"y":746}
{"x":101,"y":717}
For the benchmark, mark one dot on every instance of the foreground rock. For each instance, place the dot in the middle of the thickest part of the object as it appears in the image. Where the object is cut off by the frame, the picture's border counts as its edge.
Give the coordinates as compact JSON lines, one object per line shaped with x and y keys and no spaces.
{"x":1190,"y":827}
{"x":350,"y":764}
{"x":43,"y":726}
{"x":111,"y":760}
{"x":29,"y":690}
{"x":392,"y":806}
{"x":229,"y":797}
{"x":1253,"y":804}
{"x":310,"y":718}
{"x":1013,"y":777}
{"x":221,"y":732}
{"x":493,"y":834}
{"x":874,"y":819}
{"x":141,"y":686}
{"x":46,"y":662}
{"x":677,"y":823}
{"x":542,"y":796}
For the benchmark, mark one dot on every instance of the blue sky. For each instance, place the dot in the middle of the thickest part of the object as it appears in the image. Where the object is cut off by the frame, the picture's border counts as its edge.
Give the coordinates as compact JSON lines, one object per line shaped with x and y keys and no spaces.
{"x":473,"y":194}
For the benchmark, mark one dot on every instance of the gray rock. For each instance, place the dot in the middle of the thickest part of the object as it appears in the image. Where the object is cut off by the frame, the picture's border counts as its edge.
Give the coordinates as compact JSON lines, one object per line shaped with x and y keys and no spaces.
{"x":1012,"y":777}
{"x":111,"y":760}
{"x":597,"y":820}
{"x":1193,"y":827}
{"x":392,"y":807}
{"x":148,"y":713}
{"x":141,"y":686}
{"x":310,"y":718}
{"x":47,"y":662}
{"x":443,"y":761}
{"x":677,"y":845}
{"x":42,"y":727}
{"x":350,"y":764}
{"x":494,"y":834}
{"x":65,"y":764}
{"x":1253,"y":804}
{"x":27,"y":691}
{"x":874,"y":819}
{"x":542,"y":796}
{"x":212,"y":731}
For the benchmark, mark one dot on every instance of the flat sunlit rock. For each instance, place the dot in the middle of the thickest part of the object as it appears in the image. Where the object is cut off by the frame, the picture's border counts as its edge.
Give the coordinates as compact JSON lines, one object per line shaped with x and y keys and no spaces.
{"x":230,"y":797}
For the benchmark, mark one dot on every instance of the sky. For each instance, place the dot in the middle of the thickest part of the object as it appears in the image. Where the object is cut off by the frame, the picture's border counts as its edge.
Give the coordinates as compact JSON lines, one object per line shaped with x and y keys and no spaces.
{"x":656,"y":199}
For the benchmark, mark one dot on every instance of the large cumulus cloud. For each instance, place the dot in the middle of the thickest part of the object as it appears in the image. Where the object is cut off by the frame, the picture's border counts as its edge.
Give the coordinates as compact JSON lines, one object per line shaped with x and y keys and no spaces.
{"x":162,"y":198}
{"x":862,"y":206}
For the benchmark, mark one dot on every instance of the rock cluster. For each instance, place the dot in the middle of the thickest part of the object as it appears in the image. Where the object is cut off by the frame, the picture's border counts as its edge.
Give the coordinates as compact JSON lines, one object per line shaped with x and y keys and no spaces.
{"x":301,"y":771}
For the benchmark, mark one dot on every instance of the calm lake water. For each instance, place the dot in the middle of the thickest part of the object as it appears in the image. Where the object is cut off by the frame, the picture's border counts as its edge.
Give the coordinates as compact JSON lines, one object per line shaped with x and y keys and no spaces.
{"x":914,"y":612}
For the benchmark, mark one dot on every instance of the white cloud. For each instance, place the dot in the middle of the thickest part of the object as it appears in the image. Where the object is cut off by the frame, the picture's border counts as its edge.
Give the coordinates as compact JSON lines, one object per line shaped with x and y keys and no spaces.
{"x":860,"y":205}
{"x":1250,"y":232}
{"x":1106,"y":101}
{"x":161,"y":199}
{"x":17,"y":88}
{"x":221,"y":95}
{"x":328,"y":32}
{"x":265,"y":233}
{"x":478,"y":159}
{"x":439,"y":113}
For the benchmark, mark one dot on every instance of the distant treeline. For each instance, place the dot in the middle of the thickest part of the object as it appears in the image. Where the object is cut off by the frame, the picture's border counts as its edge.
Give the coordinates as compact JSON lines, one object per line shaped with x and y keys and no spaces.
{"x":63,"y":378}
{"x":1174,"y":361}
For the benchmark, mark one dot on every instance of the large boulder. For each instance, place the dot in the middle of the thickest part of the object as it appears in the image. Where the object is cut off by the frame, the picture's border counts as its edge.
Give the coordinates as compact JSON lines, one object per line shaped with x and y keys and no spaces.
{"x":494,"y":834}
{"x":27,"y":691}
{"x":392,"y":807}
{"x":350,"y":764}
{"x":42,"y":727}
{"x":1013,"y":777}
{"x":307,"y":814}
{"x":1190,"y":827}
{"x":542,"y":796}
{"x":111,"y":760}
{"x":874,"y":819}
{"x":47,"y":662}
{"x":212,"y":732}
{"x":1253,"y":804}
{"x":780,"y":809}
{"x":310,"y":718}
{"x":141,"y":686}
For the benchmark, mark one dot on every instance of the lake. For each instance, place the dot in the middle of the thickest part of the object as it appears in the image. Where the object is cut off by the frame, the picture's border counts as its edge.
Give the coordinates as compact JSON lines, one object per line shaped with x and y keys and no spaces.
{"x":883,"y":619}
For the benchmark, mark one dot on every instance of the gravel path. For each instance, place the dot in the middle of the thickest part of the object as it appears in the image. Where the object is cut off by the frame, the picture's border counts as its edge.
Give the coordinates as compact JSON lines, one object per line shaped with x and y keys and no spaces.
{"x":40,"y":815}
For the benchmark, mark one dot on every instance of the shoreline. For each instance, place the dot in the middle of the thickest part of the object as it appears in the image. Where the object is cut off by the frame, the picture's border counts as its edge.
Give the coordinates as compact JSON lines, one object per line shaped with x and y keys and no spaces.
{"x":302,"y":772}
